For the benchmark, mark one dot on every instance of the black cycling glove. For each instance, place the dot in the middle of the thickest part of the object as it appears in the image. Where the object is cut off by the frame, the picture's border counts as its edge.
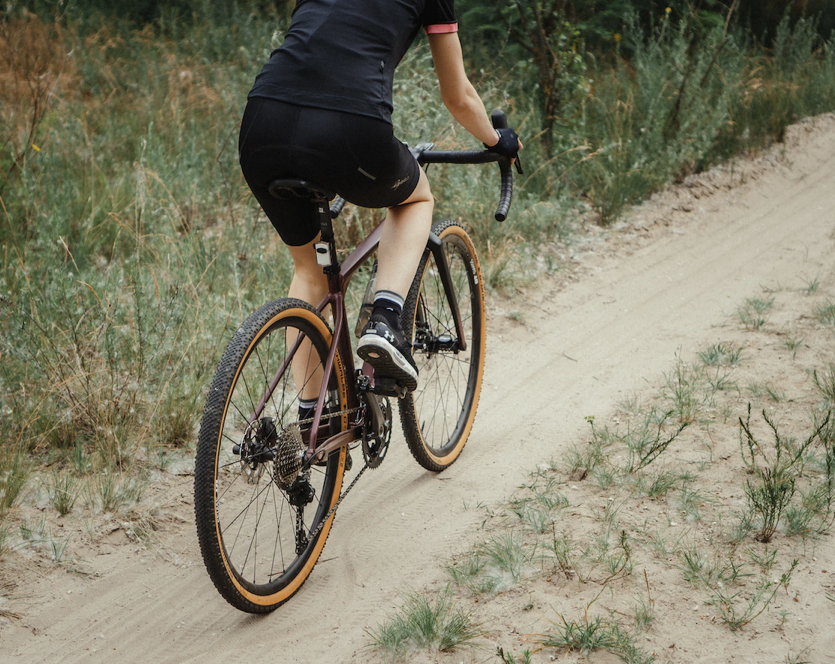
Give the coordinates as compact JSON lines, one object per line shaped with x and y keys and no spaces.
{"x":508,"y":145}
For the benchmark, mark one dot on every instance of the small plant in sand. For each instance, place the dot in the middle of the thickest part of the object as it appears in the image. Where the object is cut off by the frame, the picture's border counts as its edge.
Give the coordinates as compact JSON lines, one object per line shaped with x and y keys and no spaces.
{"x":793,"y":344}
{"x":422,"y":623}
{"x":540,"y":505}
{"x":775,"y":474}
{"x":14,"y":472}
{"x":721,"y":355}
{"x":510,"y":658}
{"x":738,"y":608}
{"x":649,"y":439}
{"x":582,"y":459}
{"x":588,"y":634}
{"x":752,"y":314}
{"x":812,"y":285}
{"x":825,"y":382}
{"x":762,"y":390}
{"x":494,"y":565}
{"x":825,"y":313}
{"x":62,"y":489}
{"x":683,"y":392}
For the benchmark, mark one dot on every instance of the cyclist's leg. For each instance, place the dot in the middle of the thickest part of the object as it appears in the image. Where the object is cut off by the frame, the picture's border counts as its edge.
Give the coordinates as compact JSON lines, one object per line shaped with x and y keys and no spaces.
{"x":403,"y":240}
{"x":402,"y":245}
{"x":310,"y":285}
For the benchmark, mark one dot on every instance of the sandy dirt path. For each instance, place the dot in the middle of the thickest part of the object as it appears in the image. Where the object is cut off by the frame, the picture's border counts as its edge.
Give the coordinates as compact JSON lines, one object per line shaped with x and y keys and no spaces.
{"x":654,"y":288}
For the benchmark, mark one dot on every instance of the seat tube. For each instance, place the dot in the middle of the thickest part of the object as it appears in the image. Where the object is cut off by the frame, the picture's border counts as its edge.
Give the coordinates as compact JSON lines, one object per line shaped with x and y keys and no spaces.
{"x":337,"y":303}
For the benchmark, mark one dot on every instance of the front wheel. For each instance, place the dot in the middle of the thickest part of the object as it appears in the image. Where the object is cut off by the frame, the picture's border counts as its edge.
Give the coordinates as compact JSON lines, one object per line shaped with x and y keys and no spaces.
{"x":438,"y":416}
{"x":262,"y":521}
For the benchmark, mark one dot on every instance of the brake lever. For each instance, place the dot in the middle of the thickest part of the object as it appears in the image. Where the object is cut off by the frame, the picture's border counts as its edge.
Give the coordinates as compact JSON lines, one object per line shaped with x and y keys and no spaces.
{"x":518,"y":164}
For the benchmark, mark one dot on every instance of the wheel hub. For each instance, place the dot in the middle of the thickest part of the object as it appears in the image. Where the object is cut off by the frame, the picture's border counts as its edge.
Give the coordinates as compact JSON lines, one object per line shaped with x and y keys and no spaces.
{"x":257,"y":448}
{"x":432,"y":343}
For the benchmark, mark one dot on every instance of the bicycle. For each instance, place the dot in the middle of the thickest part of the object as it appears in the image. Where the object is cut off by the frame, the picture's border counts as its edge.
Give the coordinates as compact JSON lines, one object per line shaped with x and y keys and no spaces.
{"x":265,"y":491}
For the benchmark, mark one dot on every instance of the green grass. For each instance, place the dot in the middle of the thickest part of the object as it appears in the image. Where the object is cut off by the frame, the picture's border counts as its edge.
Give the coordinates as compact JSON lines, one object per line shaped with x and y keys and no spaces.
{"x":752,"y":313}
{"x":825,"y":382}
{"x":494,"y":565}
{"x":721,"y":355}
{"x":765,"y":389}
{"x":510,"y":658}
{"x":590,"y":634}
{"x":132,"y":248}
{"x":63,"y":490}
{"x":812,"y":285}
{"x":14,"y":473}
{"x":683,"y":393}
{"x":793,"y":344}
{"x":825,"y":313}
{"x":774,"y":473}
{"x":662,"y":483}
{"x":738,"y":610}
{"x":427,"y":624}
{"x":112,"y":491}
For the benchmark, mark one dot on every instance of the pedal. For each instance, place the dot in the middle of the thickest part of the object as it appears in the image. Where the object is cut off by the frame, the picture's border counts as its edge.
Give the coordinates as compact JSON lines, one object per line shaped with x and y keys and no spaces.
{"x":388,"y":387}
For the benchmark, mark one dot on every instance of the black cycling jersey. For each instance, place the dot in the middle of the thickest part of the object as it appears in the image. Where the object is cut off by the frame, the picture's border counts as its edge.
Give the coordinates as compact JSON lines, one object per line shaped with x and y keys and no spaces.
{"x":341,"y":54}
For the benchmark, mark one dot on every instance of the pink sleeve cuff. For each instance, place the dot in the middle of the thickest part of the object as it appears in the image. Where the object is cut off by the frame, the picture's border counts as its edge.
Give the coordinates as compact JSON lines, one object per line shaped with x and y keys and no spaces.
{"x":441,"y":28}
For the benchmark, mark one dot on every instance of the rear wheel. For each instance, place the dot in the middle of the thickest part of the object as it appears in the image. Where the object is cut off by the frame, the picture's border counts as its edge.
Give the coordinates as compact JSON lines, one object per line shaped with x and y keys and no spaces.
{"x":260,"y":520}
{"x":438,"y":416}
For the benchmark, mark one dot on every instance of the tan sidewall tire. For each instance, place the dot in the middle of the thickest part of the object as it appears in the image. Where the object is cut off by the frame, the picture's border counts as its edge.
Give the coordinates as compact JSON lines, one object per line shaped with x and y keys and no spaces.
{"x":418,"y":446}
{"x":228,"y":584}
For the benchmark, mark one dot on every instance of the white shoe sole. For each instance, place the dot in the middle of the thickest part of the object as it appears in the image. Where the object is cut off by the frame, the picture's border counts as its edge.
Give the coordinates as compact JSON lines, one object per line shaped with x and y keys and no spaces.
{"x":387,"y":360}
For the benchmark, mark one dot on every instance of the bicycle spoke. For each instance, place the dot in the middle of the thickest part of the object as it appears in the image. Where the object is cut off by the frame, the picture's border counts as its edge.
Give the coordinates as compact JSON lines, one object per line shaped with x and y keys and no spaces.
{"x":246,"y":507}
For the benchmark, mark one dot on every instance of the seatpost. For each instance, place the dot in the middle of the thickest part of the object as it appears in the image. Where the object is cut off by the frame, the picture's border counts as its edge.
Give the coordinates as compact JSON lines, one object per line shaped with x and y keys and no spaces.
{"x":326,"y":247}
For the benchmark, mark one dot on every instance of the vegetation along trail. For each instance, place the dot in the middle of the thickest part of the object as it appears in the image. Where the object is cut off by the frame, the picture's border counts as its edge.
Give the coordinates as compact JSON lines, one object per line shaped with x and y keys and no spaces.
{"x":655,"y":287}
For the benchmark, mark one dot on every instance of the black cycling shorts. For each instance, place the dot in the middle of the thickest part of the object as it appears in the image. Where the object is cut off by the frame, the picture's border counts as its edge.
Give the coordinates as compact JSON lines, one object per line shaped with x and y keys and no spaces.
{"x":356,"y":156}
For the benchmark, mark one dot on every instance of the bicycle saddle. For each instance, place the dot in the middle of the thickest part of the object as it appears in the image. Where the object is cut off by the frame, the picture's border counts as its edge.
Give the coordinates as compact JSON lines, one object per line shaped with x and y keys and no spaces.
{"x":283,"y":189}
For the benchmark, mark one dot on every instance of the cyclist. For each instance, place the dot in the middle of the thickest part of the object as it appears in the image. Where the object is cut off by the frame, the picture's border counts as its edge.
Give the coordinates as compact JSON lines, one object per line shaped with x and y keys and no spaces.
{"x":320,"y":110}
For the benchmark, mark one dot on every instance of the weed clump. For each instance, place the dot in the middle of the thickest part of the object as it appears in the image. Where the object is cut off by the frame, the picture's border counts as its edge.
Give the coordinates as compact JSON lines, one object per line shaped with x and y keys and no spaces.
{"x":423,"y":623}
{"x":775,"y":474}
{"x":590,"y":634}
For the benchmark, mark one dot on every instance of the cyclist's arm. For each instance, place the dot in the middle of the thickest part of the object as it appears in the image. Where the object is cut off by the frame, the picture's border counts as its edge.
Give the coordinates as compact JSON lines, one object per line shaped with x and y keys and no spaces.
{"x":457,"y":93}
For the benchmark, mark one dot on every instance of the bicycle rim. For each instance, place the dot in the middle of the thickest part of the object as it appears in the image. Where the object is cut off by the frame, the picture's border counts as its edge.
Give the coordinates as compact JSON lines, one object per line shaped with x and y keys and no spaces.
{"x":252,"y":523}
{"x":438,"y":416}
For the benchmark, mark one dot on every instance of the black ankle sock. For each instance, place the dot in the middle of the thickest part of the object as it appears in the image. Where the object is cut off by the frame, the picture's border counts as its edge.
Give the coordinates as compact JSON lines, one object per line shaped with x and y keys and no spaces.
{"x":389,"y":306}
{"x":307,"y":408}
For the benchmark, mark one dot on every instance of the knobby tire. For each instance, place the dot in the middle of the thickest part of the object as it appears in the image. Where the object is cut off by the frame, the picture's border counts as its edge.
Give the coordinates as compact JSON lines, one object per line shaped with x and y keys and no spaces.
{"x":243,"y":517}
{"x":437,"y":417}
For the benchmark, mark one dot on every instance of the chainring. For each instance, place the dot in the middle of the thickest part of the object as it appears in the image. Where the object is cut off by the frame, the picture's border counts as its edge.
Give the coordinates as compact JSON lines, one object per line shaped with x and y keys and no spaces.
{"x":375,"y":446}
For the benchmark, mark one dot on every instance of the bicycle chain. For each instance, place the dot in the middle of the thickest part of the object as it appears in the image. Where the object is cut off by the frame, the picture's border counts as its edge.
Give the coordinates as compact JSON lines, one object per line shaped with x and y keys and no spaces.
{"x":328,"y":416}
{"x":313,"y":533}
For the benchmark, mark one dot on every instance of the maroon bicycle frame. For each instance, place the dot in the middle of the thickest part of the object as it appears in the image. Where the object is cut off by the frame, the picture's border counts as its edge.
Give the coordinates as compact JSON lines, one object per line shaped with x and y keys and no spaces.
{"x":339,"y":276}
{"x":338,"y":281}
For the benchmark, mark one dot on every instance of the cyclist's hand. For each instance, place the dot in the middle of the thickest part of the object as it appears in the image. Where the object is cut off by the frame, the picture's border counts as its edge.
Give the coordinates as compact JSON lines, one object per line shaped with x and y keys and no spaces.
{"x":508,"y":144}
